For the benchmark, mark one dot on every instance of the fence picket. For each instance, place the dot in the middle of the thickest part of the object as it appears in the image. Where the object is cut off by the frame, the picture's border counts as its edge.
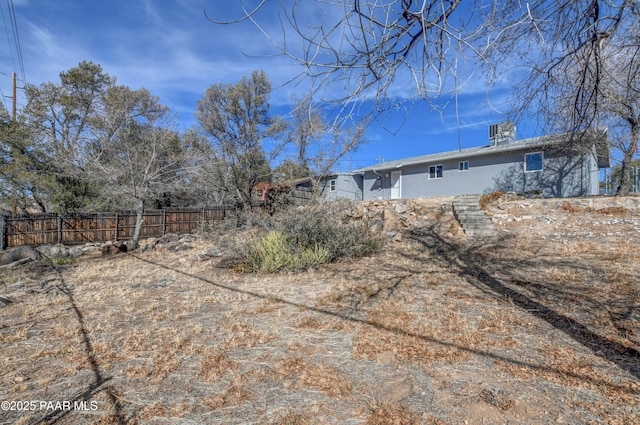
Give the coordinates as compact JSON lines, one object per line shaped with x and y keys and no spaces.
{"x":44,"y":228}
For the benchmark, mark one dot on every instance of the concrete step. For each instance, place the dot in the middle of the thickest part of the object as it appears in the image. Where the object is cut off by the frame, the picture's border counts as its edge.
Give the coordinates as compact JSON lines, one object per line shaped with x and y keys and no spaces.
{"x":472,"y":217}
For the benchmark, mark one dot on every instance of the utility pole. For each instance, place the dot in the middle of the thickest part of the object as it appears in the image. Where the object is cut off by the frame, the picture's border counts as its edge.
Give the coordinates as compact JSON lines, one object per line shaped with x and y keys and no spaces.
{"x":13,"y":90}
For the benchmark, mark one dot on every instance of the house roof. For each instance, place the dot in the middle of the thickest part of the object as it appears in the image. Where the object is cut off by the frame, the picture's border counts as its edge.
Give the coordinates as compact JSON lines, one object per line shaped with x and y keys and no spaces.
{"x":601,"y":142}
{"x":286,"y":183}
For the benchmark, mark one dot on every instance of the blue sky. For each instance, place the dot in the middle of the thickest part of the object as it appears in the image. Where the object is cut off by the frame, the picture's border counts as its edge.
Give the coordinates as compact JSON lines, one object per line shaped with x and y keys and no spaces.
{"x":170,"y":48}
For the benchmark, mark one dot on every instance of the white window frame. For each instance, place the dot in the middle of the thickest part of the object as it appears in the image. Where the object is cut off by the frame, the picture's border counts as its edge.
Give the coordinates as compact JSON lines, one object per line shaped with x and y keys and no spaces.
{"x":463,"y":166}
{"x":332,"y":185}
{"x":435,"y":172}
{"x":541,"y":162}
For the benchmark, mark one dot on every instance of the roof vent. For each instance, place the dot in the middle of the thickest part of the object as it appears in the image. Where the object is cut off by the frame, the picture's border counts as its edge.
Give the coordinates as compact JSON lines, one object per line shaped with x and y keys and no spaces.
{"x":502,"y":134}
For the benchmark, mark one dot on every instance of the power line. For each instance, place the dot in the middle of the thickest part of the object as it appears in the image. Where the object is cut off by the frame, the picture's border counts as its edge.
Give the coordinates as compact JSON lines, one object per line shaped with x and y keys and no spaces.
{"x":6,"y":30}
{"x":16,"y":37}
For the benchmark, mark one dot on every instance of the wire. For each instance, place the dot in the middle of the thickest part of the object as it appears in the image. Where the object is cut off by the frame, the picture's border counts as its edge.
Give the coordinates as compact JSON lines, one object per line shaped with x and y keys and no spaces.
{"x":6,"y":30}
{"x":16,"y":37}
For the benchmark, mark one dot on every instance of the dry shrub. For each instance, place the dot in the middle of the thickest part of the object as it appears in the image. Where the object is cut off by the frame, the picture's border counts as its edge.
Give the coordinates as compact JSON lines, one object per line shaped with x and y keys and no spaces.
{"x":612,"y":211}
{"x":329,"y":226}
{"x":302,"y":237}
{"x":489,"y":198}
{"x":568,"y":207}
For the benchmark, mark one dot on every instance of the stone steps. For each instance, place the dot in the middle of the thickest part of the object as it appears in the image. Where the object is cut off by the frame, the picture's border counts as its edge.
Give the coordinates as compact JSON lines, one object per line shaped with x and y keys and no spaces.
{"x":472,"y":218}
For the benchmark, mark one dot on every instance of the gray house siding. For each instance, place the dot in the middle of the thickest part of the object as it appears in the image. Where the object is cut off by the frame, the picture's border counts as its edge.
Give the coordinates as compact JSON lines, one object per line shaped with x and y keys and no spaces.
{"x":346,"y":186}
{"x":562,"y":175}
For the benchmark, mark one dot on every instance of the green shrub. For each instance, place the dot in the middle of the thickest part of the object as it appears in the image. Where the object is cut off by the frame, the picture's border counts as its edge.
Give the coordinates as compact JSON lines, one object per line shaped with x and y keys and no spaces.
{"x":275,"y":252}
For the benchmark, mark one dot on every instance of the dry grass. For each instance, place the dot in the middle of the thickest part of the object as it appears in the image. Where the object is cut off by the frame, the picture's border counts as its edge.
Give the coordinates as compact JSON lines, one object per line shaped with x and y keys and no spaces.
{"x":428,"y":332}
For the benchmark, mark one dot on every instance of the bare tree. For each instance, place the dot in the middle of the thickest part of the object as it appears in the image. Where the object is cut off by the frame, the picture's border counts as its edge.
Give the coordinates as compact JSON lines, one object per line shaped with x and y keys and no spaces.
{"x":321,"y":143}
{"x":561,"y":47}
{"x":133,"y":157}
{"x":208,"y":177}
{"x":237,"y":119}
{"x":621,"y":102}
{"x":371,"y":49}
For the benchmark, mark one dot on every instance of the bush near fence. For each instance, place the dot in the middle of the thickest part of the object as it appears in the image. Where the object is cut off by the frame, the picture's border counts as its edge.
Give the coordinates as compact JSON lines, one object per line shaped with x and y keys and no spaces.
{"x":79,"y":228}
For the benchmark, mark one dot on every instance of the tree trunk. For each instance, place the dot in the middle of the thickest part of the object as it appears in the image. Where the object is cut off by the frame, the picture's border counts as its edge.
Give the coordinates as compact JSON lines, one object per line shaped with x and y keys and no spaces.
{"x":138,"y":229}
{"x":625,"y":169}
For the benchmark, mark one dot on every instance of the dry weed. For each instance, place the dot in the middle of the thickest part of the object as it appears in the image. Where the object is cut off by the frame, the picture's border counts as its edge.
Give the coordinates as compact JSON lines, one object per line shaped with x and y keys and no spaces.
{"x":298,"y":373}
{"x":570,"y":208}
{"x":396,"y":414}
{"x":214,"y":365}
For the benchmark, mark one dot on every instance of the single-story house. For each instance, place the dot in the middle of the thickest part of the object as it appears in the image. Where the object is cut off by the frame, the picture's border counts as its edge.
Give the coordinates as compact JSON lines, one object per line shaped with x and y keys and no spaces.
{"x":341,"y":186}
{"x":331,"y":187}
{"x":559,"y":166}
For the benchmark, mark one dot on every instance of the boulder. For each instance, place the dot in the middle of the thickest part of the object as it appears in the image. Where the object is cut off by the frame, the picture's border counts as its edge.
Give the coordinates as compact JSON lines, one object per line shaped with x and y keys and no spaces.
{"x":400,"y":208}
{"x":75,"y":252}
{"x":20,"y":253}
{"x":168,"y":238}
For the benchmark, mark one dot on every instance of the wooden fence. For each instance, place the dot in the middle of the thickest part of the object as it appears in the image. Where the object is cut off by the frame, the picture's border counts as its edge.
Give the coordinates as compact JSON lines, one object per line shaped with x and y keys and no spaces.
{"x":79,"y":228}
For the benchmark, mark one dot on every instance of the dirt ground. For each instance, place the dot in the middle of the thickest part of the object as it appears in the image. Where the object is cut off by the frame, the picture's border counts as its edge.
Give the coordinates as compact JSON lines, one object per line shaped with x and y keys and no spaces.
{"x":540,"y":325}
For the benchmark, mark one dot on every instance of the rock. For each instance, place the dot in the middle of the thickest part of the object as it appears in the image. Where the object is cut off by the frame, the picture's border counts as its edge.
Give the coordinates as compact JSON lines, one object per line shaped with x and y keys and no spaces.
{"x":213,"y":252}
{"x":75,"y":252}
{"x":180,"y":247}
{"x":400,"y":208}
{"x":389,"y":226}
{"x":91,"y":249}
{"x":375,"y":227}
{"x":21,"y":253}
{"x":4,"y":302}
{"x":114,"y":248}
{"x":58,"y":251}
{"x":359,"y":212}
{"x":421,"y":209}
{"x":387,"y":214}
{"x":168,"y":238}
{"x":148,"y":247}
{"x":162,"y":283}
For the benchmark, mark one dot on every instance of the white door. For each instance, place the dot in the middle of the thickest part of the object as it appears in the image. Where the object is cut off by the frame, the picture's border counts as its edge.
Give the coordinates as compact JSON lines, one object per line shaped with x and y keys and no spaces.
{"x":395,"y":185}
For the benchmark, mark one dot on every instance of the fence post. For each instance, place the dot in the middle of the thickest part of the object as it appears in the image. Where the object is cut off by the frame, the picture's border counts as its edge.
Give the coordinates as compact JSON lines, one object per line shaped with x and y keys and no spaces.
{"x":117,"y":224}
{"x":59,"y":225}
{"x":3,"y":233}
{"x":164,"y":221}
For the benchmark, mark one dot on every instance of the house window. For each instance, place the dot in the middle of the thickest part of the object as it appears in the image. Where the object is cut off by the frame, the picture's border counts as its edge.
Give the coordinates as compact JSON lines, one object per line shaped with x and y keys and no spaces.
{"x":435,"y":172}
{"x":332,"y":185}
{"x":463,"y":166}
{"x":533,"y":161}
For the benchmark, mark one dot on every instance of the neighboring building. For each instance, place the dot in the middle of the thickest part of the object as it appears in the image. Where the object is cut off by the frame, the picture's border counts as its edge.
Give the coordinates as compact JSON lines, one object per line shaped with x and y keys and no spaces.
{"x":552,"y":166}
{"x":331,"y":187}
{"x":300,"y":190}
{"x":341,"y":186}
